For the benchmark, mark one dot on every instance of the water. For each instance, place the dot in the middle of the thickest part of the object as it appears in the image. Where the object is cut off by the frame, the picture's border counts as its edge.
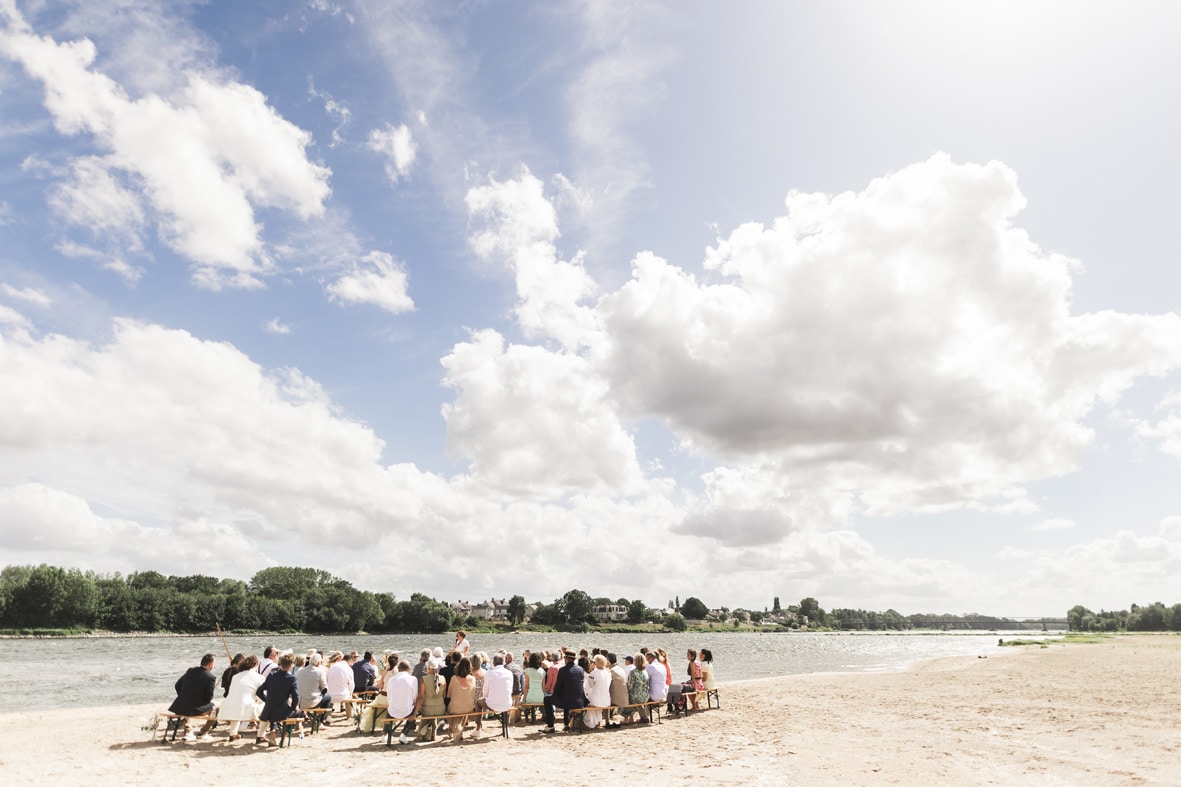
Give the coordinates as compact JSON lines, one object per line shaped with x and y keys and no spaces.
{"x":137,"y":670}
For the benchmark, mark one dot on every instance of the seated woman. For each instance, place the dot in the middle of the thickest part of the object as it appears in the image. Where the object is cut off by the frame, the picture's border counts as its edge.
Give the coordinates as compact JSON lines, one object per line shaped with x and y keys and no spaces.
{"x":434,"y":692}
{"x":241,"y":701}
{"x":373,"y":717}
{"x":534,"y":681}
{"x":461,"y":696}
{"x":694,"y":683}
{"x":280,"y":696}
{"x":230,"y":672}
{"x":637,"y":689}
{"x":707,"y":670}
{"x":598,"y":692}
{"x":478,"y":661}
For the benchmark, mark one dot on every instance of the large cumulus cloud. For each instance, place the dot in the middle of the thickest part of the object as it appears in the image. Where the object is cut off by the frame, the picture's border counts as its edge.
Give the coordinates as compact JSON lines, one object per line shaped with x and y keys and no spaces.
{"x":908,"y":343}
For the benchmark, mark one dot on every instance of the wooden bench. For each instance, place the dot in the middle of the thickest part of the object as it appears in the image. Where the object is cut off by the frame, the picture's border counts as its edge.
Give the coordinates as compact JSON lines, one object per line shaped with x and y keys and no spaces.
{"x":285,"y":728}
{"x":654,"y":710}
{"x":711,"y":696}
{"x":391,"y":722}
{"x":354,"y":708}
{"x":315,"y":717}
{"x":529,"y":710}
{"x":175,"y":721}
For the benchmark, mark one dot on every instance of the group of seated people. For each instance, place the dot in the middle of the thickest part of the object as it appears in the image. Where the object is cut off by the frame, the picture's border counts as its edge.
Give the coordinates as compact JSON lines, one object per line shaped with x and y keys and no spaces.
{"x":460,"y":685}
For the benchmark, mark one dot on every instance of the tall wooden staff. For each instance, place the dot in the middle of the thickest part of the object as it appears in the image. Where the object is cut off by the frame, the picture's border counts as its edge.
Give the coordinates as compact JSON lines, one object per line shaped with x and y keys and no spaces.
{"x":223,"y":642}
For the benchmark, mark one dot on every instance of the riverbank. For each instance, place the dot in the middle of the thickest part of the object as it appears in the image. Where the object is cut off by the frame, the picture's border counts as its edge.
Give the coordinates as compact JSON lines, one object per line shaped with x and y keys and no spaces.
{"x":1101,"y":713}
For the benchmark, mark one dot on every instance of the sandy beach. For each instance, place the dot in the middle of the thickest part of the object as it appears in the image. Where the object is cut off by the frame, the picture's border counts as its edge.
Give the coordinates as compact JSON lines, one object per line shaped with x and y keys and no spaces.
{"x":1102,"y":714}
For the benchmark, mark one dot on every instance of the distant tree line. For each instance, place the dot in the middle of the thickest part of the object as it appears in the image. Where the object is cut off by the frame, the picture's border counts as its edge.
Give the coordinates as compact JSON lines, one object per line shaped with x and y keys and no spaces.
{"x":1154,"y":617}
{"x":306,"y":599}
{"x":275,"y":599}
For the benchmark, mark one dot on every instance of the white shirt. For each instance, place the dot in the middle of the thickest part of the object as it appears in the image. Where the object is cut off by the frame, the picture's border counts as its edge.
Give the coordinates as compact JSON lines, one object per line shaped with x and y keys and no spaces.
{"x":657,"y":690}
{"x":498,"y":689}
{"x":463,"y":646}
{"x":402,"y":690}
{"x":340,"y":681}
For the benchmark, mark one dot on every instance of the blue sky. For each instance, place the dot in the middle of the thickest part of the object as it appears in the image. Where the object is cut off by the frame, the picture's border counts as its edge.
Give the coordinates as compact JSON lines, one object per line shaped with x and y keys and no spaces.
{"x":651,"y":299}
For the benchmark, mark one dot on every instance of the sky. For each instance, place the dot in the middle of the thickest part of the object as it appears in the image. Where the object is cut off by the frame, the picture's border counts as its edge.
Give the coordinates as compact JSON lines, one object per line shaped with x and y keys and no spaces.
{"x":869,"y":303}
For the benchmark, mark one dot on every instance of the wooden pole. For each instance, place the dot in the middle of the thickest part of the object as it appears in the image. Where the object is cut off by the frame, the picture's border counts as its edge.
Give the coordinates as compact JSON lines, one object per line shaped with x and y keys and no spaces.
{"x":223,"y":642}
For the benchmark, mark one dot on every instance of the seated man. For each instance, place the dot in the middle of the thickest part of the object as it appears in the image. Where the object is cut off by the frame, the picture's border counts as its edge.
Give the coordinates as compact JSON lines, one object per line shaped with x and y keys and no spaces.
{"x":280,"y":696}
{"x":498,"y":686}
{"x":194,"y":694}
{"x":312,"y":683}
{"x":405,"y":698}
{"x":364,"y":673}
{"x":567,"y":693}
{"x":340,"y":678}
{"x":657,"y":688}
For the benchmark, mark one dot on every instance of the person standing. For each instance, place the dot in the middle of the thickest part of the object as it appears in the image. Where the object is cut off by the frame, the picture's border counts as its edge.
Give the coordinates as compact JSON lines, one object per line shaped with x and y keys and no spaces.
{"x":462,"y":646}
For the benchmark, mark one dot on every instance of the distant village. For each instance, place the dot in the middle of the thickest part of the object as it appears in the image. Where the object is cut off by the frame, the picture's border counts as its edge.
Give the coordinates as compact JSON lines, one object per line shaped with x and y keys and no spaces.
{"x":497,"y":610}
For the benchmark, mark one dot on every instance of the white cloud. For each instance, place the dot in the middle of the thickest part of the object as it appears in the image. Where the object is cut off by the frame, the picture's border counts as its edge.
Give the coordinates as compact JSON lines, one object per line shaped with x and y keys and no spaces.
{"x":107,"y":260}
{"x":377,"y":279}
{"x":520,"y":229}
{"x":1170,"y":527}
{"x":1057,"y":523}
{"x":276,"y":326}
{"x":907,"y":343}
{"x":535,"y":422}
{"x":10,"y":316}
{"x":396,"y":146}
{"x":95,"y":199}
{"x":158,"y":438}
{"x":205,"y":155}
{"x":1139,"y":569}
{"x":26,"y":294}
{"x":64,"y":529}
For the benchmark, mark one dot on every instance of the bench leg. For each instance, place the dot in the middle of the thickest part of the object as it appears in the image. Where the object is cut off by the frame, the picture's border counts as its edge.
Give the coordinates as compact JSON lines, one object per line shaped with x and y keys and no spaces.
{"x":503,"y":724}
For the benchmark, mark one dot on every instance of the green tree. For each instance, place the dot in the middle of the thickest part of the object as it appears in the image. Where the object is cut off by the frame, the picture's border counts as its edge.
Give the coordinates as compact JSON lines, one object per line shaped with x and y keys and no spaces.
{"x":635,"y":611}
{"x":575,"y":607}
{"x":675,"y":622}
{"x":694,"y":609}
{"x":516,"y":610}
{"x":810,"y":608}
{"x":775,"y":608}
{"x":1076,"y":618}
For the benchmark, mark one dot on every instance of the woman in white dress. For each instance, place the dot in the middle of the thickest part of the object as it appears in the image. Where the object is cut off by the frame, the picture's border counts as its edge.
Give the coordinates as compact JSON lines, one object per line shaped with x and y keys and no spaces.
{"x":598,"y":692}
{"x":241,"y":704}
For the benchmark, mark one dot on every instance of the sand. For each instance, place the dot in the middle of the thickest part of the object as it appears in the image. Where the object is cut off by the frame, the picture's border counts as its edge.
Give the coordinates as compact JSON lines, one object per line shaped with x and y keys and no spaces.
{"x":1102,"y":714}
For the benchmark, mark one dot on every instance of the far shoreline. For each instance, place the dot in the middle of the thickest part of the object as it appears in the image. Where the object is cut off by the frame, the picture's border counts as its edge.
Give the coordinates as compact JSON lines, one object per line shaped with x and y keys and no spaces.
{"x":102,"y":634}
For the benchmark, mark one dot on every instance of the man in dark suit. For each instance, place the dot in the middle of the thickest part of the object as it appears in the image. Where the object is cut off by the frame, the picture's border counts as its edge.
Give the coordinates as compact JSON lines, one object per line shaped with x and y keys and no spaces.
{"x":194,"y":693}
{"x":364,"y":674}
{"x":567,"y":694}
{"x":280,"y":694}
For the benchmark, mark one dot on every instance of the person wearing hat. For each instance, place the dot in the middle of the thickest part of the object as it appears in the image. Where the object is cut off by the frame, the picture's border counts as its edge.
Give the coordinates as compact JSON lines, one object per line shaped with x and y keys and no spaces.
{"x":567,"y":693}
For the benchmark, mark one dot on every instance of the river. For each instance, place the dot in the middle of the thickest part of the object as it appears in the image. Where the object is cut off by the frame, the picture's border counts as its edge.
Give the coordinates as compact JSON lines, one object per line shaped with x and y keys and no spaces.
{"x":133,"y":670}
